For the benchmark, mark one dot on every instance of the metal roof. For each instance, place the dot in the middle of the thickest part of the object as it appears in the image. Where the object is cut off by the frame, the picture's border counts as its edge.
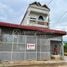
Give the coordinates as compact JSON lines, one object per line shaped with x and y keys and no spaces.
{"x":32,"y":28}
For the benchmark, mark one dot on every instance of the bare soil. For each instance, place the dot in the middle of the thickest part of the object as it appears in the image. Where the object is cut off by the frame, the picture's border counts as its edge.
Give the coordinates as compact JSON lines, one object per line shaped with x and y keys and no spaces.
{"x":34,"y":64}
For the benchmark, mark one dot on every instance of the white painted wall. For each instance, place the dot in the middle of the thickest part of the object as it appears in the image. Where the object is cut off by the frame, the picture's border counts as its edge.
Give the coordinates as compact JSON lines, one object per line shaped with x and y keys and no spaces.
{"x":35,"y":12}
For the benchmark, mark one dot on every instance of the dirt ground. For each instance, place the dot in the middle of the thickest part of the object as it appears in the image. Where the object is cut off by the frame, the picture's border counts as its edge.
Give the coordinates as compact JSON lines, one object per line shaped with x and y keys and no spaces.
{"x":65,"y":58}
{"x":34,"y":64}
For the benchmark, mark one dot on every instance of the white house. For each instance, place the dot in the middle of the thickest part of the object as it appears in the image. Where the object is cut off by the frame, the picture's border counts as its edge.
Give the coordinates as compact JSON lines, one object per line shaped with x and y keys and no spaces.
{"x":32,"y":39}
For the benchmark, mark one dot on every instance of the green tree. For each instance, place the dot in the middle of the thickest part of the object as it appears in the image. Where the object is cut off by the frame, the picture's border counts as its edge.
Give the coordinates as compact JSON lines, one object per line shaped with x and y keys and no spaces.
{"x":65,"y":47}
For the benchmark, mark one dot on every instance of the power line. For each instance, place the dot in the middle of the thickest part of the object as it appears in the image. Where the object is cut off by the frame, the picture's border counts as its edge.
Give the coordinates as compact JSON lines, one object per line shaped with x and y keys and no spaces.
{"x":53,"y":8}
{"x":50,"y":2}
{"x":54,"y":12}
{"x":60,"y":17}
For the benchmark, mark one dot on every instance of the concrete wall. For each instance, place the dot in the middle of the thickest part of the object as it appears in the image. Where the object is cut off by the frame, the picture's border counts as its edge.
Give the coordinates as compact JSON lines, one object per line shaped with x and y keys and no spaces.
{"x":35,"y":12}
{"x":13,"y":45}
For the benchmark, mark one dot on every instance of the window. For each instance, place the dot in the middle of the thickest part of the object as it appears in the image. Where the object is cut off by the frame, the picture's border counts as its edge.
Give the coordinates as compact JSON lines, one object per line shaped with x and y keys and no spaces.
{"x":32,"y":20}
{"x":46,"y":18}
{"x":41,"y":18}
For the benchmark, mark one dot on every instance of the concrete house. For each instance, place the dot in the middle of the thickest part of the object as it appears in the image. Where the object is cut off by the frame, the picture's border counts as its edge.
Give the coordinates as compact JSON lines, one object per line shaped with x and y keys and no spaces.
{"x":32,"y":39}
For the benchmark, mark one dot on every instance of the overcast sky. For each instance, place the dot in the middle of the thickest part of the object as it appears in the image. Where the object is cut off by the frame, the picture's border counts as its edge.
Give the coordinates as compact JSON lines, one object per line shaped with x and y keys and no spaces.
{"x":12,"y":11}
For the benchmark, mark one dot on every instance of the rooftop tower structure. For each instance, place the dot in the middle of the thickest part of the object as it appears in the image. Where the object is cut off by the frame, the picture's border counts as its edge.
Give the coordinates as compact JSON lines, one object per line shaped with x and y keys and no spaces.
{"x":36,"y":15}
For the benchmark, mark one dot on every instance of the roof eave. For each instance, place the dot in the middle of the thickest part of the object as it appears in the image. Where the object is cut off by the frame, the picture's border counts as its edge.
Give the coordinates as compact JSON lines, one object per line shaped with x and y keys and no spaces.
{"x":34,"y":28}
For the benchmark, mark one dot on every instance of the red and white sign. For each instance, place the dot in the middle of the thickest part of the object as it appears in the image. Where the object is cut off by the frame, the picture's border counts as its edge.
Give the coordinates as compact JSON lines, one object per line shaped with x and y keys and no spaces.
{"x":30,"y":46}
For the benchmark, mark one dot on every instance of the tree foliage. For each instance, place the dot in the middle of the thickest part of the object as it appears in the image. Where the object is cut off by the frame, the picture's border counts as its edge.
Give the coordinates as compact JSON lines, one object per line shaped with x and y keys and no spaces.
{"x":65,"y":47}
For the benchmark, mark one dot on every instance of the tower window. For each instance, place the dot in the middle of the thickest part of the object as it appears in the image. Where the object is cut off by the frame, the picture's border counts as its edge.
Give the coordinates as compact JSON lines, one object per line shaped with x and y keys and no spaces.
{"x":41,"y":18}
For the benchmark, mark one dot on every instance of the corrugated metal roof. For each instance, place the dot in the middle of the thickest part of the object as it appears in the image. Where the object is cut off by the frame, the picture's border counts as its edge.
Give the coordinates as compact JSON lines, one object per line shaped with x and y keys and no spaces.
{"x":34,"y":28}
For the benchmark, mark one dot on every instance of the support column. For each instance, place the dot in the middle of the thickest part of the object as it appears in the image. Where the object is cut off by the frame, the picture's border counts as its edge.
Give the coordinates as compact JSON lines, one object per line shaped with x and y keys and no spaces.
{"x":62,"y":49}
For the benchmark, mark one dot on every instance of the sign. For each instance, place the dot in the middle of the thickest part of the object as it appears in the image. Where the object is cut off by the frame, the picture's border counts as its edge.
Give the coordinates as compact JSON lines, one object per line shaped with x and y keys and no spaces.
{"x":30,"y":46}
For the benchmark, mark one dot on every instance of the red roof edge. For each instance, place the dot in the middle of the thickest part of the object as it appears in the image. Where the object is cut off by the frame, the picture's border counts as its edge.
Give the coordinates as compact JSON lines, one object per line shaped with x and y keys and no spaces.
{"x":34,"y":28}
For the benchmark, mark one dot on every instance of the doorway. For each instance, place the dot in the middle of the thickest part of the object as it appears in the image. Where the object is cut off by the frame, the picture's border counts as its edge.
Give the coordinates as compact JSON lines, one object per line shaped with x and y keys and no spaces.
{"x":55,"y":47}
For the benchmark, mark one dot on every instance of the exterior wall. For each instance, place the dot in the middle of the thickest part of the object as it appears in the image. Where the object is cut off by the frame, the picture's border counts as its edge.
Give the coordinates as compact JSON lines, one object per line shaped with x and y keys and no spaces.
{"x":35,"y":12}
{"x":44,"y":45}
{"x":25,"y":21}
{"x":37,"y":22}
{"x":14,"y":46}
{"x":17,"y":50}
{"x":14,"y":42}
{"x":60,"y":48}
{"x":39,"y":9}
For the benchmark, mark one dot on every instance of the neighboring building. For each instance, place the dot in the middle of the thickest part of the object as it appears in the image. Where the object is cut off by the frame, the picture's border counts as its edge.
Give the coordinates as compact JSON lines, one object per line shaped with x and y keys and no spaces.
{"x":32,"y":40}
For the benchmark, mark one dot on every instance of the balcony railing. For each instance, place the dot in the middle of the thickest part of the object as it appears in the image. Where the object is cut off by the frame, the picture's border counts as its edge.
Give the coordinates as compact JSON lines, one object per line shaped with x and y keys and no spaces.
{"x":39,"y":23}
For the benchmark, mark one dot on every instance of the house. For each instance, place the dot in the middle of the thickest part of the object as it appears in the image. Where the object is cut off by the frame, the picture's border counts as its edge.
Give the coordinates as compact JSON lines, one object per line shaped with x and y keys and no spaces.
{"x":32,"y":39}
